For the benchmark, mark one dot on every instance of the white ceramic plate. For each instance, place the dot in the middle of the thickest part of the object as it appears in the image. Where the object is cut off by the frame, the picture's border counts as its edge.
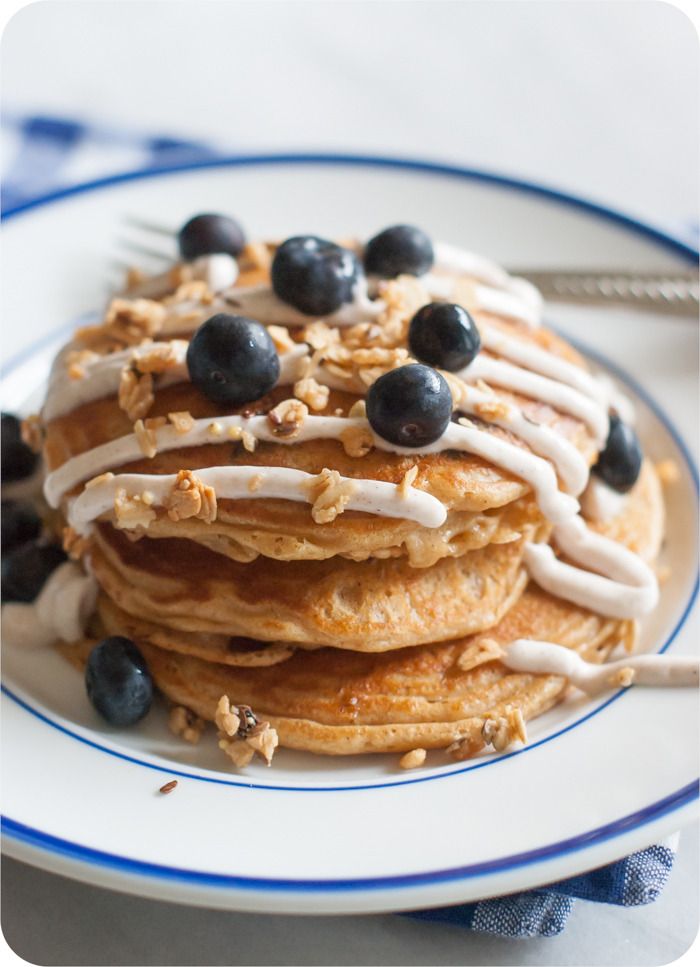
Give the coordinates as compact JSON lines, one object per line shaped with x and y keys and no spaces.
{"x":597,"y":780}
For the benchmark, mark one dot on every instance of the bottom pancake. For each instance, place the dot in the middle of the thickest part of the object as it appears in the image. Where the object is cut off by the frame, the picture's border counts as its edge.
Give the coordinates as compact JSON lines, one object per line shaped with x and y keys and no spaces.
{"x":338,"y":702}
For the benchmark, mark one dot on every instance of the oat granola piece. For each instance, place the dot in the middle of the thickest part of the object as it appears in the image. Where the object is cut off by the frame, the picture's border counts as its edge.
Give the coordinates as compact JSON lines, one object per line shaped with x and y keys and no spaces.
{"x":287,"y":418}
{"x":357,"y":440}
{"x":281,"y":339}
{"x":132,"y":511}
{"x":238,"y":434}
{"x":130,"y":321}
{"x":184,"y":723}
{"x":413,"y":759}
{"x":492,"y":409}
{"x":312,"y":393}
{"x":182,"y":420}
{"x":404,"y":488}
{"x":499,"y":731}
{"x":358,"y":410}
{"x":321,"y":336}
{"x":135,"y":393}
{"x":159,"y":359}
{"x":226,"y":717}
{"x":623,"y":677}
{"x":189,"y":497}
{"x":256,"y":255}
{"x":241,"y":735}
{"x":331,"y":495}
{"x":146,"y":438}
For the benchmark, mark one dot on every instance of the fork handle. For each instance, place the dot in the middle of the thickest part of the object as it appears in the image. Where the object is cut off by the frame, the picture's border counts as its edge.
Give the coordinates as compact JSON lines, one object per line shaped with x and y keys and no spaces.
{"x":669,"y":292}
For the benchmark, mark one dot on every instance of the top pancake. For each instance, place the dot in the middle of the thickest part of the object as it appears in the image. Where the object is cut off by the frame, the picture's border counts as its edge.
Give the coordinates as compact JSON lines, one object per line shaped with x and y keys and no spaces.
{"x":467,"y":485}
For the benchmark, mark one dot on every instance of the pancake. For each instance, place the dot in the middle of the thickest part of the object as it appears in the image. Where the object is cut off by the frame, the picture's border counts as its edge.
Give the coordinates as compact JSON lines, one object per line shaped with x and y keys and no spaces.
{"x":370,"y":605}
{"x":337,"y":702}
{"x":466,"y":484}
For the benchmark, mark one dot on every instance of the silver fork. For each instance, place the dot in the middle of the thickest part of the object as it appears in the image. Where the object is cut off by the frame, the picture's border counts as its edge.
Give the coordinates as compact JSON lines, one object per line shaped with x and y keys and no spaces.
{"x":667,"y":292}
{"x":672,"y":293}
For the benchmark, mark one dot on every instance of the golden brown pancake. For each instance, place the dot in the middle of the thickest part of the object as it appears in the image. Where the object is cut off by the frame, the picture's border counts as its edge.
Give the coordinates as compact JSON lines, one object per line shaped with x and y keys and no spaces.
{"x":467,"y":485}
{"x":339,"y":702}
{"x":371,"y":605}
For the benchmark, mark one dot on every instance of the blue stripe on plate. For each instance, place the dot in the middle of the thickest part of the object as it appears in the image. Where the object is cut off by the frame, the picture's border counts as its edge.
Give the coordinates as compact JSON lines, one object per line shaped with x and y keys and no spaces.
{"x":85,"y":854}
{"x":374,"y":161}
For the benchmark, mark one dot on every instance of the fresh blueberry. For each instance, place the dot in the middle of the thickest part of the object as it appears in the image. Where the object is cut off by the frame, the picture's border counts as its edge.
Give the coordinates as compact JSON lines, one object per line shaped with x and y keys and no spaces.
{"x":444,"y":334}
{"x":314,"y":275}
{"x":118,"y":681}
{"x":20,"y":523}
{"x":621,"y":460}
{"x":18,"y":461}
{"x":26,"y":569}
{"x":233,"y":360}
{"x":410,"y":406}
{"x":209,"y":234}
{"x":399,"y":250}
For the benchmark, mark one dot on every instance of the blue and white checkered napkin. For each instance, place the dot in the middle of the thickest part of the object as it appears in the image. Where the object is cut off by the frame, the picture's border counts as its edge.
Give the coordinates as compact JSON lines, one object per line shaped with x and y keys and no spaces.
{"x":44,"y":154}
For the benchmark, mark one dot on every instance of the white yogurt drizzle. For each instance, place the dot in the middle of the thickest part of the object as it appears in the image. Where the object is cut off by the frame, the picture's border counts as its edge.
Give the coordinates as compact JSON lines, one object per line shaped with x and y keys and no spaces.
{"x":555,"y":505}
{"x":630,"y":589}
{"x":102,"y":375}
{"x":601,"y":503}
{"x":543,"y":657}
{"x":233,"y":483}
{"x":260,"y":302}
{"x":60,"y":612}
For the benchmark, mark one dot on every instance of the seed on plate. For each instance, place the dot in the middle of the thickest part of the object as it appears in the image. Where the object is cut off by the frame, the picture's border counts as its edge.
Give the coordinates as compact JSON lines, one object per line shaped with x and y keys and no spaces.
{"x":168,"y":787}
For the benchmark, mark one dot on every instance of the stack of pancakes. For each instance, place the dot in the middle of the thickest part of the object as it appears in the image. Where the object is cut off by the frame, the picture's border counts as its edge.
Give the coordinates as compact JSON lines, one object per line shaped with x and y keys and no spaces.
{"x":350,"y":633}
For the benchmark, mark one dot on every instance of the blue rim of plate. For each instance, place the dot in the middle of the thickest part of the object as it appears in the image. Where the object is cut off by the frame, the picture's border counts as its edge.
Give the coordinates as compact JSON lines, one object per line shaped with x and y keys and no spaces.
{"x":682,"y":797}
{"x":635,"y":225}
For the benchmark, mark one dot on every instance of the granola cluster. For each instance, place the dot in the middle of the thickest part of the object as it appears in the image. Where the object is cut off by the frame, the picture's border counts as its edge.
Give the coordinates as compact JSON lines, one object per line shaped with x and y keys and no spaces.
{"x":133,"y":511}
{"x":189,"y":497}
{"x":135,"y":393}
{"x":287,"y":418}
{"x":242,"y":735}
{"x":330,"y":495}
{"x":497,"y":730}
{"x":185,"y":724}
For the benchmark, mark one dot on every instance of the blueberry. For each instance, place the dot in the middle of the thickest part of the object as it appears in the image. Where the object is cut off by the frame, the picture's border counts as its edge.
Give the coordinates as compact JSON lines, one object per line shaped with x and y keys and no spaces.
{"x":399,"y":250}
{"x":209,"y":234}
{"x":445,"y":335}
{"x":26,"y":569}
{"x":621,"y":460}
{"x":20,"y":523}
{"x":118,"y":681}
{"x":410,"y":406}
{"x":232,"y":360}
{"x":18,"y":461}
{"x":314,"y":275}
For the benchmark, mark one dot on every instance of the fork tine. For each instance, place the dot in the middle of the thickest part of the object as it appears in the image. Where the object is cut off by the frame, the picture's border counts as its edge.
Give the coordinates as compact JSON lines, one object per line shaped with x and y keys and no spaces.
{"x":153,"y":253}
{"x":147,"y":226}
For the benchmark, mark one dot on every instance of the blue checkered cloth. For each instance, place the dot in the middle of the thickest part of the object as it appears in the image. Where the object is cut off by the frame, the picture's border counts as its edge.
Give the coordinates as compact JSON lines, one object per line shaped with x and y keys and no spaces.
{"x":45,"y":154}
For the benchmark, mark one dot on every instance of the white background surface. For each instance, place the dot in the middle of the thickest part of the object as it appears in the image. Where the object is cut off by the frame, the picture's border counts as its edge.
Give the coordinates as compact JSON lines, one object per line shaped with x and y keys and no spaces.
{"x":597,"y":98}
